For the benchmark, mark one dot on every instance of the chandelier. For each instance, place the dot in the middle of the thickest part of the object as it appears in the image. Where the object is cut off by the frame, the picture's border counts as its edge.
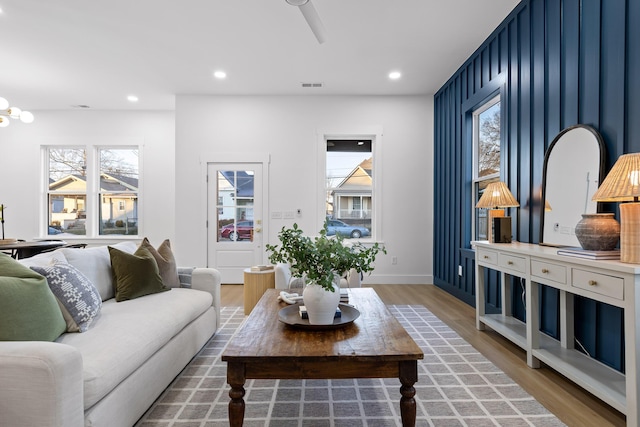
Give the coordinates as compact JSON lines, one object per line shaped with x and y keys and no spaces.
{"x":15,"y":113}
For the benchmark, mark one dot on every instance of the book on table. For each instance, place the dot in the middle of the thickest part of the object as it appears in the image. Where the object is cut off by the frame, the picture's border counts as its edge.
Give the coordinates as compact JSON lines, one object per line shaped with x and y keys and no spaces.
{"x":262,"y":267}
{"x":589,"y":254}
{"x":305,"y":315}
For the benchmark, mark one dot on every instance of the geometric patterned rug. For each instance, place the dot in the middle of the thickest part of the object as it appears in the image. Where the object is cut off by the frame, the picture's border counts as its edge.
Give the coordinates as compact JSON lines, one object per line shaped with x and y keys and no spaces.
{"x":457,"y":386}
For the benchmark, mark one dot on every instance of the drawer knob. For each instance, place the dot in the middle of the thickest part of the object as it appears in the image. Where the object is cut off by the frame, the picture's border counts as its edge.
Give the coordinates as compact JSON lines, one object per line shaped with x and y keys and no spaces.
{"x":486,"y":257}
{"x":592,"y":283}
{"x":510,"y":262}
{"x":545,"y":271}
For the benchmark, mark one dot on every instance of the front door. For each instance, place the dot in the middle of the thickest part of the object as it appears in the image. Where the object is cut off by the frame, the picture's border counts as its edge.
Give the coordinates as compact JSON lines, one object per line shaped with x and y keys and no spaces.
{"x":235,"y":218}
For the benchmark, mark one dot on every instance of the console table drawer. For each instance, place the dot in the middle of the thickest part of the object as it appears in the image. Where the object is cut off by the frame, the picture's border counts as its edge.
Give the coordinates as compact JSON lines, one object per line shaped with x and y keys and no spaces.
{"x":488,"y":257}
{"x":602,"y":284}
{"x":546,"y":271}
{"x":512,"y":262}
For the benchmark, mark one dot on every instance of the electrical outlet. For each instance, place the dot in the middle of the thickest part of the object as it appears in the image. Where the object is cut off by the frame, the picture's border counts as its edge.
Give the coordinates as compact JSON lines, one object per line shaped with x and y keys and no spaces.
{"x":276,"y":215}
{"x":287,"y":214}
{"x":460,"y":270}
{"x":394,"y":260}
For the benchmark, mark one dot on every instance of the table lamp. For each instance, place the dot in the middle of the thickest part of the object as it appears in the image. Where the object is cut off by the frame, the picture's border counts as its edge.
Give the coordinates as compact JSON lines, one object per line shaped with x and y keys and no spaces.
{"x":622,"y":184}
{"x":495,"y":198}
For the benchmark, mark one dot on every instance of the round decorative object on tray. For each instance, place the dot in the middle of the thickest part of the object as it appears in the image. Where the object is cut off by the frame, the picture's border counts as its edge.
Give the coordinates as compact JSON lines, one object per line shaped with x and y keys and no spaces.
{"x":290,"y":315}
{"x":598,"y":232}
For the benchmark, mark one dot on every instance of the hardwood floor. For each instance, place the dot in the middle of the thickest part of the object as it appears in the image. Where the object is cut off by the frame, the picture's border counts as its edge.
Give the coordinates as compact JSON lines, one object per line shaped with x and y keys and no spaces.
{"x":570,"y":403}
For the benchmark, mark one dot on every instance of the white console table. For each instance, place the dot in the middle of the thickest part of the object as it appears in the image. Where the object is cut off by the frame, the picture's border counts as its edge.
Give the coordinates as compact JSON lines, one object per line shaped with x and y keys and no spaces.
{"x":611,"y":282}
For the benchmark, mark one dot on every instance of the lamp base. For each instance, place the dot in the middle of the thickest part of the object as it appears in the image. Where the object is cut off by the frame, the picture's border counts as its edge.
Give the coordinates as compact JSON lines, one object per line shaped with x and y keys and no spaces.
{"x":630,"y":233}
{"x":491,"y":214}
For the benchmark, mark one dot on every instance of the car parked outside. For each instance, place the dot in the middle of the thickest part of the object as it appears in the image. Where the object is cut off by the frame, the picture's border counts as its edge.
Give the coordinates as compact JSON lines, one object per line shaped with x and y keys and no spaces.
{"x":244,"y":231}
{"x":335,"y":226}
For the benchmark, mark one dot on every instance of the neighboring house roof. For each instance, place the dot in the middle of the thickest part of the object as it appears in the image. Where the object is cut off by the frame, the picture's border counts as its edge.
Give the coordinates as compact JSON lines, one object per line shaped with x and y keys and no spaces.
{"x":359,"y":179}
{"x":244,"y":186}
{"x":108,"y":183}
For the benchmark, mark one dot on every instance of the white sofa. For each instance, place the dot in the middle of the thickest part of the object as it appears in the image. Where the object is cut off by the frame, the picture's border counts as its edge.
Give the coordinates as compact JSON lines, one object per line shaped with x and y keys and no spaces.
{"x":112,"y":373}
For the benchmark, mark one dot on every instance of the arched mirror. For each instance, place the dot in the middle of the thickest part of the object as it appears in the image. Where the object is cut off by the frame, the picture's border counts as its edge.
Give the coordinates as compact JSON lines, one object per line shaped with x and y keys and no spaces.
{"x":573,"y":170}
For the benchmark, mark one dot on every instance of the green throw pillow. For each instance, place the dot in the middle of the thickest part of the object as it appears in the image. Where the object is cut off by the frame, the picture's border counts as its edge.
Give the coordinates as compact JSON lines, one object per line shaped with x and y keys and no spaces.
{"x":136,"y":274}
{"x":28,"y":309}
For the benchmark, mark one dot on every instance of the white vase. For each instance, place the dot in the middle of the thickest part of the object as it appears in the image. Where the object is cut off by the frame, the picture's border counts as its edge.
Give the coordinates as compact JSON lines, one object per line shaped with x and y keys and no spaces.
{"x":321,"y":304}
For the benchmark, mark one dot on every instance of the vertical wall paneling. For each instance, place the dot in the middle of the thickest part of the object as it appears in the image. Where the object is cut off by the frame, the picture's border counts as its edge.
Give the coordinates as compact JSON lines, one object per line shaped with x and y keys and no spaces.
{"x":612,"y":80}
{"x":522,"y":181}
{"x":590,"y":63}
{"x":569,"y":63}
{"x":632,"y":143}
{"x":556,"y":63}
{"x":554,"y":71}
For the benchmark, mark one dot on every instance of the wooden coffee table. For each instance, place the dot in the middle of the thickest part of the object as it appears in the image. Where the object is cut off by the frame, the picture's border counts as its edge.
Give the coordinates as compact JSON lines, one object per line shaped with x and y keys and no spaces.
{"x":375,"y":345}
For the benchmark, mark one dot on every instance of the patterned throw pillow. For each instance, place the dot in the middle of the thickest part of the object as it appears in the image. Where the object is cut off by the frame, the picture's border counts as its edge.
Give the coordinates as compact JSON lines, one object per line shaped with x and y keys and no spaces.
{"x":79,"y":300}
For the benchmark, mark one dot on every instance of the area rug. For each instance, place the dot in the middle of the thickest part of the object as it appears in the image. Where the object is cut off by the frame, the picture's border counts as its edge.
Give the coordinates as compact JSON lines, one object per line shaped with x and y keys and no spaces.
{"x":457,"y":386}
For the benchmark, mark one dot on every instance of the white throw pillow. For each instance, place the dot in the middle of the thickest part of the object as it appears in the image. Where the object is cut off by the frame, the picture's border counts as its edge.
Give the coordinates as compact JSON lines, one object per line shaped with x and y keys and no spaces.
{"x":43,"y":259}
{"x":95,"y":264}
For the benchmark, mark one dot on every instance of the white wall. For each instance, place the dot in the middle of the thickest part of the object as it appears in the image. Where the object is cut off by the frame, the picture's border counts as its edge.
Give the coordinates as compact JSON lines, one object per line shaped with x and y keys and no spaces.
{"x":286,"y":129}
{"x":21,"y":188}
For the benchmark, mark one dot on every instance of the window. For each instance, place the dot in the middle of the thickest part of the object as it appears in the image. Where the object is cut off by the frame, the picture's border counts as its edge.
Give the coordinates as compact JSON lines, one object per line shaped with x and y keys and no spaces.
{"x":349,"y":186}
{"x":486,"y":154}
{"x":92,"y":191}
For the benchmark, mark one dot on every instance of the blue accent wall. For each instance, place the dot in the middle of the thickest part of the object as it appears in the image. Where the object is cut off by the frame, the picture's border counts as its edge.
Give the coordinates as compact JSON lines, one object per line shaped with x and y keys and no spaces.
{"x":556,"y":63}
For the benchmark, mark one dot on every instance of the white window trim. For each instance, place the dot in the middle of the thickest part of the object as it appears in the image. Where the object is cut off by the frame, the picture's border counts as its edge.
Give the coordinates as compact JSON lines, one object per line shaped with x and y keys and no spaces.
{"x":93,"y":177}
{"x":375,"y":135}
{"x":476,"y":179}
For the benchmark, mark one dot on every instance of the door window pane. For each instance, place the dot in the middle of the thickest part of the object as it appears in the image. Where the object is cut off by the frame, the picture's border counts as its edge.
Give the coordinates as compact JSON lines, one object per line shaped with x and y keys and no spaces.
{"x":235,"y":205}
{"x":349,"y":187}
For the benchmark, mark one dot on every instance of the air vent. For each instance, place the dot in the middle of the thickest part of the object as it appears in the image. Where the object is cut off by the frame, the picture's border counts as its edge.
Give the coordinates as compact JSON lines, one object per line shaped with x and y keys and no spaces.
{"x":312,"y":84}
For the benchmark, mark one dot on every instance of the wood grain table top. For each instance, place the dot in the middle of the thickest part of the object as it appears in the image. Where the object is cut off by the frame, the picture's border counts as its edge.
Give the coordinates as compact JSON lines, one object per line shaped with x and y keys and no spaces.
{"x":375,"y":335}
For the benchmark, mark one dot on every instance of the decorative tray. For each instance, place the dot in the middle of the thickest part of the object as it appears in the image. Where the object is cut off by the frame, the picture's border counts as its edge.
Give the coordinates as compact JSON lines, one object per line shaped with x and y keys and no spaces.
{"x":291,"y":316}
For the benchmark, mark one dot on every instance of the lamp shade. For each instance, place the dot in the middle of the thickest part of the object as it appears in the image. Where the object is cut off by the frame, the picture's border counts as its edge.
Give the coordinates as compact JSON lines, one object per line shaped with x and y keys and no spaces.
{"x":497,"y":195}
{"x":622,"y":184}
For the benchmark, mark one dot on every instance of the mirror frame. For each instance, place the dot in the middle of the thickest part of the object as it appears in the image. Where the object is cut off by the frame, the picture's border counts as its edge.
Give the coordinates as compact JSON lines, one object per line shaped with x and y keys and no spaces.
{"x":601,"y":172}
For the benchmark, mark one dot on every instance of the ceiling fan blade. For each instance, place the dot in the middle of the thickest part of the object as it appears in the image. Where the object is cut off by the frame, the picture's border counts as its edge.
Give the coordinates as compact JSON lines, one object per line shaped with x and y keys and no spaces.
{"x":313,"y":19}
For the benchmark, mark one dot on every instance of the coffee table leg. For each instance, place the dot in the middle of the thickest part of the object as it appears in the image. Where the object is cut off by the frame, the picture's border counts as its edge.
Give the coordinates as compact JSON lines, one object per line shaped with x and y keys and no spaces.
{"x":235,"y":378}
{"x":408,"y":377}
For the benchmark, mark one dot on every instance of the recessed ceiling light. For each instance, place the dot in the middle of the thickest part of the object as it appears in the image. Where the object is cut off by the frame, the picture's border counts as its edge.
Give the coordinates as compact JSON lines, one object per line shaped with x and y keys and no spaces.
{"x":132,"y":98}
{"x":395,"y":75}
{"x":219,"y":74}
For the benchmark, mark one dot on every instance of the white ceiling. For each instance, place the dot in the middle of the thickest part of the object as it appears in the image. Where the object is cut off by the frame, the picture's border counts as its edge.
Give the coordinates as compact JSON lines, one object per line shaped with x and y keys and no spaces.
{"x":56,"y":54}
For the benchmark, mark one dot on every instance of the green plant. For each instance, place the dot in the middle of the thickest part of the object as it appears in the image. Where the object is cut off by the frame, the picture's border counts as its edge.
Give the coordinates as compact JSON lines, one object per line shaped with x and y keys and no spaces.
{"x":319,"y":258}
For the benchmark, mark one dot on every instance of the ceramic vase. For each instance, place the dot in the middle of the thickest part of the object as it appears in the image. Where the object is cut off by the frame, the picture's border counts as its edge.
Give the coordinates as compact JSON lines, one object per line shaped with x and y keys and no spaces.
{"x":598,"y":232}
{"x":321,"y":304}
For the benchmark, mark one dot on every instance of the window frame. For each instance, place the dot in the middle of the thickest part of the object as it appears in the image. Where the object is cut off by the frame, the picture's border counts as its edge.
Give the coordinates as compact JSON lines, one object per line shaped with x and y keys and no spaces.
{"x":92,"y":200}
{"x":375,"y":135}
{"x":476,"y":180}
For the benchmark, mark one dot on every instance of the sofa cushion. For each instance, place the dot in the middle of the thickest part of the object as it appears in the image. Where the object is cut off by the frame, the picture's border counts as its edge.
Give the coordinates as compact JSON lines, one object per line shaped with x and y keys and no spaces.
{"x":95,"y":263}
{"x":28,"y":309}
{"x":128,"y":333}
{"x":166,"y":262}
{"x":135,"y":275}
{"x":79,"y":300}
